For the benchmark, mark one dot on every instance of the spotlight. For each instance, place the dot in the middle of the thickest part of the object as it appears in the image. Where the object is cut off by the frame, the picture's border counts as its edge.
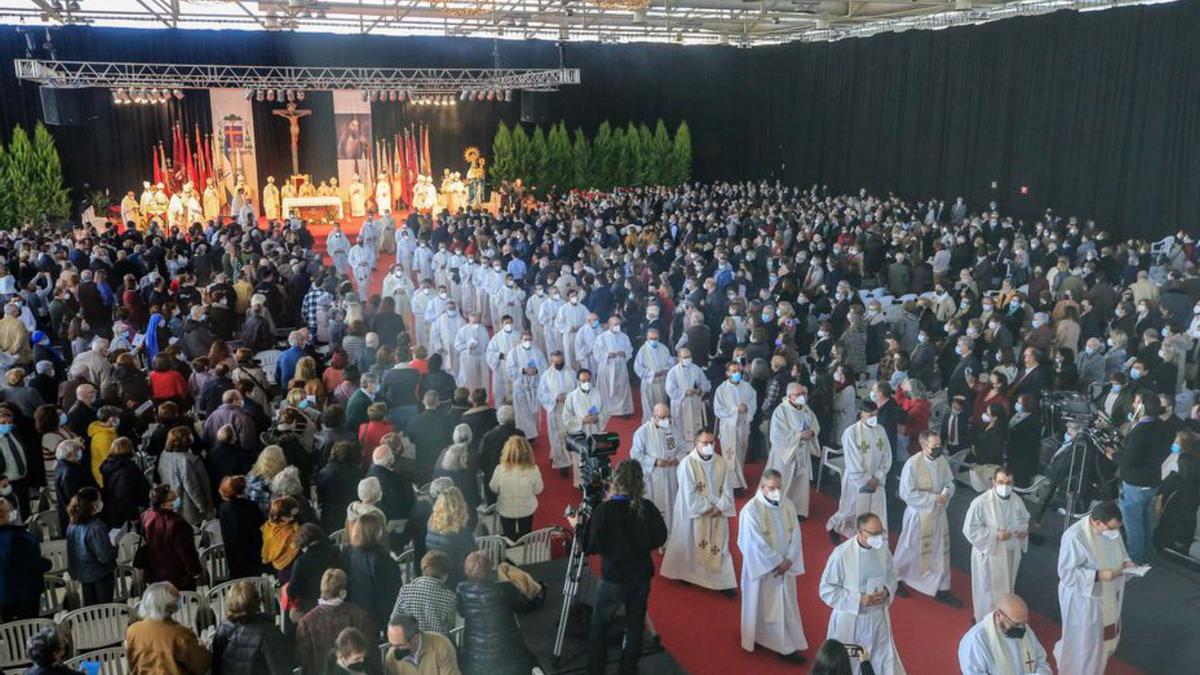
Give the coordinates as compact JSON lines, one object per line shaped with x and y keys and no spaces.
{"x":508,"y":94}
{"x":374,"y":96}
{"x":391,"y":95}
{"x":364,"y":97}
{"x":249,"y":94}
{"x":491,"y":96}
{"x":178,"y":93}
{"x":116,"y":97}
{"x":259,"y":95}
{"x":279,"y":95}
{"x":154,"y":93}
{"x":270,"y":94}
{"x":300,"y":95}
{"x":462,"y":95}
{"x":290,"y":95}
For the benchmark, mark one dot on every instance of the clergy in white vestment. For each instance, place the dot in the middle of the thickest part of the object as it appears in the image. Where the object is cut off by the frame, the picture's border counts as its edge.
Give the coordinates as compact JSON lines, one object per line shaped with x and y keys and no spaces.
{"x":868,"y":455}
{"x":436,"y":307}
{"x":556,"y":383}
{"x":547,"y":311}
{"x":859,"y":584}
{"x":510,"y":300}
{"x":583,"y":412}
{"x":493,"y":283}
{"x":360,"y":263}
{"x":612,"y":351}
{"x":398,"y":286}
{"x":423,"y":261}
{"x":479,"y":282}
{"x":466,"y":285}
{"x":406,"y":246}
{"x":503,"y":342}
{"x":533,"y":310}
{"x":686,"y":387}
{"x":369,"y":237}
{"x":651,"y":364}
{"x":698,"y":546}
{"x":997,"y":527}
{"x":772,"y":558}
{"x":1091,"y":589}
{"x":443,"y":335}
{"x":585,"y":342}
{"x":923,"y":548}
{"x":441,"y":265}
{"x":570,"y":317}
{"x":793,"y":433}
{"x":471,"y":343}
{"x":734,"y":404}
{"x":1002,"y":643}
{"x":525,"y":364}
{"x":657,"y":448}
{"x":420,"y":303}
{"x":338,"y":247}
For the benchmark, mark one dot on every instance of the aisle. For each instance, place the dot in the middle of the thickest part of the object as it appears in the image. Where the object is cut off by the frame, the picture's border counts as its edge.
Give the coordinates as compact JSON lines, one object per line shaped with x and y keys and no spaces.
{"x":701,"y":628}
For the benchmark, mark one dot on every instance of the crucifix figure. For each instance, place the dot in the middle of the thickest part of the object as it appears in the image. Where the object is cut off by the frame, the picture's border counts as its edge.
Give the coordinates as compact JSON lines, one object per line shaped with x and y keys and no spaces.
{"x":293,"y":117}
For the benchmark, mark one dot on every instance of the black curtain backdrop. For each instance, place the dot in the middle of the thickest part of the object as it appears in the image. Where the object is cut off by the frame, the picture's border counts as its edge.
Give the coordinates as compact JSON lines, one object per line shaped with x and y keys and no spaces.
{"x":1097,"y":113}
{"x":318,"y":149}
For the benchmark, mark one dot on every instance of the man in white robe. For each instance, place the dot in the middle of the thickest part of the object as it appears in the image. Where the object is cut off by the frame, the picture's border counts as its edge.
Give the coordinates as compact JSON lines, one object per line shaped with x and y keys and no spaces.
{"x":547,"y":312}
{"x":398,"y":286}
{"x":466,"y":282}
{"x":420,"y":303}
{"x":997,"y":526}
{"x":471,"y":343}
{"x":1091,"y":589}
{"x":651,"y":364}
{"x":556,"y":383}
{"x":868,"y":455}
{"x":1002,"y":643}
{"x":497,"y":352}
{"x":859,"y":584}
{"x":686,"y":387}
{"x":368,"y":238}
{"x":585,"y":342}
{"x":511,"y":301}
{"x":533,"y":308}
{"x":734,"y":404}
{"x":583,"y":412}
{"x":360,"y":262}
{"x":440,"y":263}
{"x":525,"y":364}
{"x":405,"y":247}
{"x":697,"y":549}
{"x":423,"y":261}
{"x":493,"y":282}
{"x":794,"y":433}
{"x":443,"y":333}
{"x":571,"y":316}
{"x":772,"y":558}
{"x":923,"y":549}
{"x":657,"y":448}
{"x":612,"y":351}
{"x":338,"y":247}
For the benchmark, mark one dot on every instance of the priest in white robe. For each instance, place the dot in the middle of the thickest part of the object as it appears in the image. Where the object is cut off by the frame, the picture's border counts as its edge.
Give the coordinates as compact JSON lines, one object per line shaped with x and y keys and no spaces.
{"x":405,"y":247}
{"x":510,"y":300}
{"x":556,"y":383}
{"x":686,"y":387}
{"x":657,"y":448}
{"x":480,"y":280}
{"x":697,"y":549}
{"x":503,"y":342}
{"x":545,"y":316}
{"x":1091,"y":589}
{"x":361,"y":264}
{"x":1002,"y":643}
{"x":493,"y":282}
{"x":612,"y":351}
{"x":868,"y":455}
{"x":443,"y":334}
{"x":533,"y":309}
{"x":794,"y":436}
{"x":859,"y":584}
{"x":997,"y":527}
{"x":471,"y":343}
{"x":423,"y":261}
{"x":398,"y":286}
{"x":772,"y":558}
{"x":525,"y":364}
{"x":436,"y":307}
{"x":420,"y":303}
{"x":338,"y":247}
{"x":585,"y":342}
{"x":734,"y":404}
{"x":583,"y":412}
{"x":651,"y":364}
{"x":570,"y":317}
{"x":466,"y":286}
{"x":923,"y":548}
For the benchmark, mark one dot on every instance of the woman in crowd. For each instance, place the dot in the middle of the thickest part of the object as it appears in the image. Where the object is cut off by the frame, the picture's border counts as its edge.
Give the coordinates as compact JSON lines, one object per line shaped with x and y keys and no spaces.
{"x":157,"y":644}
{"x":456,"y":463}
{"x":169,"y":543}
{"x":316,"y":555}
{"x":373,"y":430}
{"x":449,"y":531}
{"x":241,"y":528}
{"x":248,"y":641}
{"x":370,"y":494}
{"x":845,"y":405}
{"x":50,"y":423}
{"x":70,"y":476}
{"x":21,"y":568}
{"x":226,"y":457}
{"x":126,"y":490}
{"x":1179,"y":498}
{"x":166,"y":384}
{"x":278,"y":537}
{"x":287,"y":483}
{"x":374,"y":578}
{"x":517,"y":482}
{"x":337,"y":486}
{"x":91,"y":556}
{"x":991,"y":441}
{"x":335,"y":371}
{"x":917,"y":412}
{"x":185,"y":472}
{"x":492,"y":643}
{"x":258,"y":482}
{"x":990,"y":388}
{"x":48,"y":650}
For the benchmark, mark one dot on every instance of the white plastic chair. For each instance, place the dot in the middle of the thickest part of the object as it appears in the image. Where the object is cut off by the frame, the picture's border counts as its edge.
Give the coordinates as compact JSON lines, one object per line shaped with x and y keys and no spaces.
{"x":54,"y":598}
{"x":495,"y":545}
{"x":14,"y":635}
{"x":339,"y":538}
{"x":211,"y":529}
{"x":96,"y":626}
{"x":127,"y":546}
{"x":488,"y":521}
{"x":405,"y":561}
{"x":833,"y":460}
{"x":266,"y":590}
{"x":56,"y":551}
{"x":193,"y":611}
{"x":215,"y":564}
{"x":456,"y":636}
{"x":46,"y":525}
{"x":532,"y":548}
{"x":268,"y":358}
{"x":112,"y":661}
{"x":128,"y":583}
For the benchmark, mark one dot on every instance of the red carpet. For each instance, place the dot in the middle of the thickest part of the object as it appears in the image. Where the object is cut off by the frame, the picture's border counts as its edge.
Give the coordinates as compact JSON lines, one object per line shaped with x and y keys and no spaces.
{"x":701,"y":629}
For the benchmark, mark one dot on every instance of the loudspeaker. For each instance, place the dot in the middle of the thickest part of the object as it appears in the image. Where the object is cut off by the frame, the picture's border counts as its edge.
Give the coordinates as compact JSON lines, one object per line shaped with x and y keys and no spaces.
{"x":535,"y":107}
{"x":64,"y":107}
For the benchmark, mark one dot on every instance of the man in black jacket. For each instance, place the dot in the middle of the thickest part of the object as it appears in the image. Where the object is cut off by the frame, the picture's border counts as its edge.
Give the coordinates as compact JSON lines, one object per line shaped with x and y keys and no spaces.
{"x":1139,"y":460}
{"x":398,"y":496}
{"x":431,"y":431}
{"x":493,"y":444}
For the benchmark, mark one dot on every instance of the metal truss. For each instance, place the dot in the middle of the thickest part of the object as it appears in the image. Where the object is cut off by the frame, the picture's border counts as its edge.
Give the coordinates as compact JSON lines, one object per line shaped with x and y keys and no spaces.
{"x":184,"y":76}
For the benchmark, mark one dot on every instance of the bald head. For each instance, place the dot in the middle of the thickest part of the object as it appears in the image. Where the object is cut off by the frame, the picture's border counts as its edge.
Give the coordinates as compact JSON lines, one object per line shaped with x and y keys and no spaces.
{"x":662,"y":411}
{"x":1013,"y":607}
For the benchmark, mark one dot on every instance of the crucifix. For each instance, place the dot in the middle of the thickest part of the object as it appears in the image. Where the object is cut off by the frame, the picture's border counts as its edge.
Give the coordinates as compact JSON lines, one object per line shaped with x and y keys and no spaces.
{"x":293,"y":117}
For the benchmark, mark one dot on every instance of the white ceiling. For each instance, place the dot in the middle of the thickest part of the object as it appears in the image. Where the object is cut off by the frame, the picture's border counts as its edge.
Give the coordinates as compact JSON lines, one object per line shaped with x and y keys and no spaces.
{"x":735,"y":22}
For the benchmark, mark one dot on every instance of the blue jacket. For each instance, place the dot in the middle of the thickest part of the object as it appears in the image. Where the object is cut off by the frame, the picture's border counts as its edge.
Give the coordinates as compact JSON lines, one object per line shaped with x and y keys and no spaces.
{"x":285,"y":367}
{"x":90,"y":554}
{"x":21,"y":566}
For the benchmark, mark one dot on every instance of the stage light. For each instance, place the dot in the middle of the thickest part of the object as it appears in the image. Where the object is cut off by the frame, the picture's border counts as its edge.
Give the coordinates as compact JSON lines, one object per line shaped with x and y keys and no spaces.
{"x":116,"y":97}
{"x":279,"y":95}
{"x":300,"y":95}
{"x":462,"y":95}
{"x":391,"y":95}
{"x":290,"y":95}
{"x":374,"y":96}
{"x":508,"y":94}
{"x":364,"y":97}
{"x":178,"y":93}
{"x":249,"y":94}
{"x":491,"y":96}
{"x":259,"y":95}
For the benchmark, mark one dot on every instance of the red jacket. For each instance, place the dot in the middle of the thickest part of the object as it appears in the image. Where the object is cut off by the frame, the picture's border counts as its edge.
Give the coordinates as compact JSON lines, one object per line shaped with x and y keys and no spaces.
{"x":167,"y":386}
{"x":173,"y":557}
{"x":916,"y":420}
{"x":370,"y":436}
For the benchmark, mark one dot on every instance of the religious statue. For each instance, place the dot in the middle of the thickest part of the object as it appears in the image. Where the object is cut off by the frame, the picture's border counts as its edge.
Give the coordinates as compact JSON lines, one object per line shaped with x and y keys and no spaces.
{"x":323,"y":190}
{"x":475,"y":185}
{"x":292,"y":115}
{"x":131,"y":211}
{"x":212,"y":201}
{"x":358,"y":198}
{"x":307,"y":189}
{"x":383,"y":194}
{"x":270,"y":199}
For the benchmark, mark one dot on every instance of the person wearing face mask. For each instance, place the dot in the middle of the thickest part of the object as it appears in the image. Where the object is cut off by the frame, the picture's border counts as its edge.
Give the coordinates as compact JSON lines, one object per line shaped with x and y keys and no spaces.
{"x":16,"y":462}
{"x":420,"y":305}
{"x":734,"y":404}
{"x":657,"y":447}
{"x":772,"y":558}
{"x":526,"y":363}
{"x":859,"y":584}
{"x":703,"y":507}
{"x":794,"y":441}
{"x":997,"y":527}
{"x":584,"y":412}
{"x":91,"y":554}
{"x":652,"y":363}
{"x":686,"y":386}
{"x":544,"y":320}
{"x":1139,"y":461}
{"x":1003,"y":643}
{"x":923,"y":549}
{"x":1091,"y":589}
{"x":170,"y":547}
{"x":498,"y":349}
{"x":571,"y":317}
{"x":510,"y":300}
{"x":555,"y":384}
{"x":470,"y":345}
{"x":443,"y":336}
{"x":611,"y":352}
{"x":868,"y":460}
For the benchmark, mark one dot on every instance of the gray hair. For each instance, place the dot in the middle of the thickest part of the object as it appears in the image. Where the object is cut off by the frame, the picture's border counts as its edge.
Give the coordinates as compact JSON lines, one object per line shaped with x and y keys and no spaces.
{"x":438,"y":486}
{"x":286,"y":483}
{"x":44,"y":367}
{"x":99,"y":343}
{"x":505,"y":414}
{"x":794,"y":388}
{"x":159,"y":602}
{"x":369,"y":378}
{"x":769,"y":474}
{"x":67,"y":447}
{"x":462,"y":434}
{"x":369,"y":490}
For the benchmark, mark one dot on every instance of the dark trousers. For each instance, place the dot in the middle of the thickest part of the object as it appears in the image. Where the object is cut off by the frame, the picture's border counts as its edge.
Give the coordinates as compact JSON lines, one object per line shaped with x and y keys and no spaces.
{"x":20,"y":492}
{"x":20,"y":610}
{"x":99,"y":591}
{"x":515,"y":528}
{"x":609,"y":598}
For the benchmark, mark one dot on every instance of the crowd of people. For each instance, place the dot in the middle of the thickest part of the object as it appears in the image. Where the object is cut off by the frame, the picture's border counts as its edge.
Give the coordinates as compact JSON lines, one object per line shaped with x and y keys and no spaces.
{"x":744,"y":322}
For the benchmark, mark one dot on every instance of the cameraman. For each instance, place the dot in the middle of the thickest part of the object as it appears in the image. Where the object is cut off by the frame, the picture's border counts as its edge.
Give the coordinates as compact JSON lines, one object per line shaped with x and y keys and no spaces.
{"x":1147,"y":443}
{"x":623,"y":530}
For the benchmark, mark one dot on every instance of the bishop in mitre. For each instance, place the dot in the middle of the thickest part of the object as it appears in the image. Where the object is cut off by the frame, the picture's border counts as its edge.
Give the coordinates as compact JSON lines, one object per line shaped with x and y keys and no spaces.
{"x":270,"y":199}
{"x":1002,"y":643}
{"x":868,"y":455}
{"x":686,"y":387}
{"x":556,"y":383}
{"x":923,"y":549}
{"x":657,"y":448}
{"x":794,"y":435}
{"x":697,"y":549}
{"x":772,"y":558}
{"x":997,"y":527}
{"x":652,"y":363}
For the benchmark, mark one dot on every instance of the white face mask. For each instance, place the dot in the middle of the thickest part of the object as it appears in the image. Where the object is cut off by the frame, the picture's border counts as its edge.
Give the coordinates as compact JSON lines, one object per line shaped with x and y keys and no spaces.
{"x":526,"y":344}
{"x":1003,"y":490}
{"x":687,"y":361}
{"x":706,"y":450}
{"x":876,"y":541}
{"x":585,"y":387}
{"x":663,"y":424}
{"x":872,"y":421}
{"x":508,"y":328}
{"x":801,"y":400}
{"x":1112,"y":535}
{"x":614,"y":329}
{"x":772,"y":495}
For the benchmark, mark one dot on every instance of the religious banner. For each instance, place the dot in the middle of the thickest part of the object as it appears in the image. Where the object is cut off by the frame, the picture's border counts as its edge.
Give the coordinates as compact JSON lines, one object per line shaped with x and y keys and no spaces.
{"x":352,"y":122}
{"x":233,"y":160}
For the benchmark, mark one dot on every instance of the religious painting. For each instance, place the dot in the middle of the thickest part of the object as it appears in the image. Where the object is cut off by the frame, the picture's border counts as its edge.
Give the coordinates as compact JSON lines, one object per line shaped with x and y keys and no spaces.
{"x":353,"y":134}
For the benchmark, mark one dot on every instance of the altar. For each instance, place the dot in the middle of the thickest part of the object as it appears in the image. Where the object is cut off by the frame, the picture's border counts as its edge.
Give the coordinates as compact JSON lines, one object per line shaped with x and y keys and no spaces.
{"x":313,"y":208}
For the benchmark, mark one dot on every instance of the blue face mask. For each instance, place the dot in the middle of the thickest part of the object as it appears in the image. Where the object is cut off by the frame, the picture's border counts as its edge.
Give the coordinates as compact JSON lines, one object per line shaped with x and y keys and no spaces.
{"x":1019,"y":407}
{"x":1135,"y":374}
{"x":177,"y":504}
{"x":1116,"y":388}
{"x":766,"y":318}
{"x":735,"y":378}
{"x":1176,"y":449}
{"x":5,"y":428}
{"x":62,"y":419}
